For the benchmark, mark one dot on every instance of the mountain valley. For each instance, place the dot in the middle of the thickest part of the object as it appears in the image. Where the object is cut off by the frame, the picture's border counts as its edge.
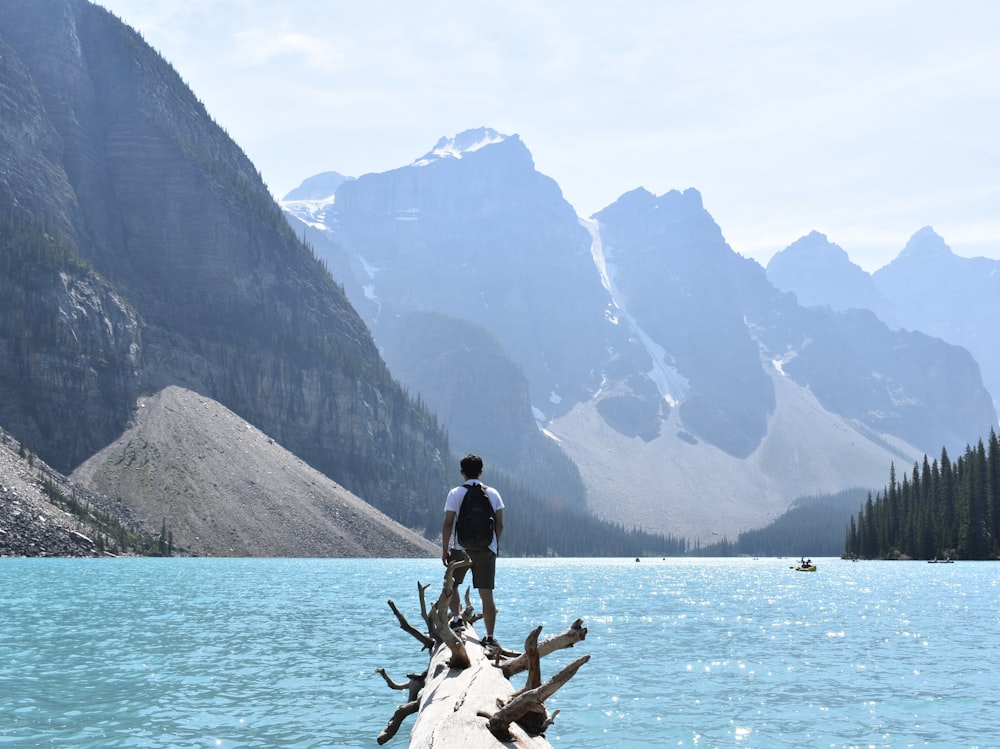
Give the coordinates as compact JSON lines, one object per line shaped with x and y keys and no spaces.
{"x":298,"y":377}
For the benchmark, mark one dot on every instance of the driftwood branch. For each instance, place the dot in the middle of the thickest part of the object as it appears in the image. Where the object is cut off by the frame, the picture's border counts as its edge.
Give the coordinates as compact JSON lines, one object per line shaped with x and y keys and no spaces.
{"x":401,"y":714}
{"x":528,"y":708}
{"x":440,"y":617}
{"x":425,"y":640}
{"x":534,"y":660}
{"x":574,"y":634}
{"x":414,"y":684}
{"x":421,"y":589}
{"x":394,"y":684}
{"x":468,"y":614}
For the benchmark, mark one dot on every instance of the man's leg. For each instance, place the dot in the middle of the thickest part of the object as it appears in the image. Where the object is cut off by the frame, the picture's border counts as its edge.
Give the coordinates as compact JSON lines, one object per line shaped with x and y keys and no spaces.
{"x":489,"y":610}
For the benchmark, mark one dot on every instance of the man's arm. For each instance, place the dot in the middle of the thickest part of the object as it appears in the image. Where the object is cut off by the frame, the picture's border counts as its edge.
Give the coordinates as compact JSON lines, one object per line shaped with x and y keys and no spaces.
{"x":449,"y":524}
{"x":498,"y":525}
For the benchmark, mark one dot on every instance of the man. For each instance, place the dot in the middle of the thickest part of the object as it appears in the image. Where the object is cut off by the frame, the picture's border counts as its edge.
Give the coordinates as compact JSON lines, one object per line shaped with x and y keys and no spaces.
{"x":484,"y":562}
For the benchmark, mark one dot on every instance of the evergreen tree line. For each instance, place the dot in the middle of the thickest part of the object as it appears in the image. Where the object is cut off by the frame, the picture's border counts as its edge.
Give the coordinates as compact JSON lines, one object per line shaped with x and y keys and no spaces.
{"x":811,"y":527}
{"x":110,"y":535}
{"x":942,"y":510}
{"x":31,"y":244}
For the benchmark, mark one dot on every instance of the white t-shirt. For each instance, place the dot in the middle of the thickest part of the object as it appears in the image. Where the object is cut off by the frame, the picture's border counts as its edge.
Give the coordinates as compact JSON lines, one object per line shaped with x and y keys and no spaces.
{"x":454,"y":504}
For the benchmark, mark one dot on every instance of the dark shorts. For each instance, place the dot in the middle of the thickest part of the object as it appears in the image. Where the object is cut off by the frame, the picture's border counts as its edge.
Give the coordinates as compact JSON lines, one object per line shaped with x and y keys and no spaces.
{"x":484,"y":567}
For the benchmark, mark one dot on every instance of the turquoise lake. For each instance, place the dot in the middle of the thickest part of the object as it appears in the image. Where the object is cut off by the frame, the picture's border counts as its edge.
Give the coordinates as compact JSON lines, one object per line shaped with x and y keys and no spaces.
{"x":684,"y":652}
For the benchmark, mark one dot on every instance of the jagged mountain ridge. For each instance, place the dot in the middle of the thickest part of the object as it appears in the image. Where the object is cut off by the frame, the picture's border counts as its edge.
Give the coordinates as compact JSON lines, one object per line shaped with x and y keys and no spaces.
{"x":142,"y":250}
{"x":697,"y":354}
{"x":464,"y":230}
{"x":821,"y":274}
{"x":926,"y":287}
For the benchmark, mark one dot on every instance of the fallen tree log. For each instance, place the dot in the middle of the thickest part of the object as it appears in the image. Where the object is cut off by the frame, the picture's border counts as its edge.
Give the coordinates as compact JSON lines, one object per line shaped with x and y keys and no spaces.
{"x":465,"y":698}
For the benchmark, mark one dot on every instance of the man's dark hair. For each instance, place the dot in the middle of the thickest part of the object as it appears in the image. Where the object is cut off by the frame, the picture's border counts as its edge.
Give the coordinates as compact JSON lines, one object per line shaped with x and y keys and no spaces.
{"x":472,"y":466}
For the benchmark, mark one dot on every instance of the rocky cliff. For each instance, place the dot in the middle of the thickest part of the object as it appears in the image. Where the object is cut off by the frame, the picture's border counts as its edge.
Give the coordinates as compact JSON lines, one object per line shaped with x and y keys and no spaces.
{"x":142,"y":249}
{"x":926,"y":287}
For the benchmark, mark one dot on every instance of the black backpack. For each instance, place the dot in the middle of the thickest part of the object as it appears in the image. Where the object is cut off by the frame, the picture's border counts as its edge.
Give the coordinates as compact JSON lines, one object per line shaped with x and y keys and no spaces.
{"x":476,"y":519}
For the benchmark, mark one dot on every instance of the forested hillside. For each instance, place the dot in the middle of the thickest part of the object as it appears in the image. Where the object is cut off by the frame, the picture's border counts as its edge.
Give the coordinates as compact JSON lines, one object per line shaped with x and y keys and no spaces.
{"x":812,"y":526}
{"x":538,"y":525}
{"x":942,"y":510}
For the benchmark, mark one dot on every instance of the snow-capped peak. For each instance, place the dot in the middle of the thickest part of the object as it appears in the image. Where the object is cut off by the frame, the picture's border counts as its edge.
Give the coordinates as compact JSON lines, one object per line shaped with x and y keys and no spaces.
{"x":461,"y":144}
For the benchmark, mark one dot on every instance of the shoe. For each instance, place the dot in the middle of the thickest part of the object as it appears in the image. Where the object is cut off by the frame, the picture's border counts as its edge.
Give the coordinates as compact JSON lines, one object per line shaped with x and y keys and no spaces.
{"x":489,"y":642}
{"x":457,"y":624}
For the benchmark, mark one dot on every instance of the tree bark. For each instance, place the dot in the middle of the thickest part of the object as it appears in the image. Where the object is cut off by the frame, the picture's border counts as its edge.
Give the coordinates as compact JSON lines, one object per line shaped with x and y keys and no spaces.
{"x":465,"y":699}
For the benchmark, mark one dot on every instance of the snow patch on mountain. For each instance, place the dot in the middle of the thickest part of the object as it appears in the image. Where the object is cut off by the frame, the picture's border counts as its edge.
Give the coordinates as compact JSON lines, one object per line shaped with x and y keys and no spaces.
{"x":672,"y":385}
{"x":460,"y":145}
{"x":311,"y":212}
{"x":780,"y":362}
{"x":369,"y":289}
{"x":317,"y":187}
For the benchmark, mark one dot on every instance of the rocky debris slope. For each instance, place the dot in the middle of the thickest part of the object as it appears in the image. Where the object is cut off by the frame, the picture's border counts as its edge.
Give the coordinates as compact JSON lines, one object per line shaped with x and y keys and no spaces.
{"x":30,"y":524}
{"x":222,"y":487}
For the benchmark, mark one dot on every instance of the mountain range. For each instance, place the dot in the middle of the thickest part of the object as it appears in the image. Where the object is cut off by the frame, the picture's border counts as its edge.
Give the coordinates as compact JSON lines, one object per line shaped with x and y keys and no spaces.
{"x":926,"y":287}
{"x":693,"y":395}
{"x":629,"y":365}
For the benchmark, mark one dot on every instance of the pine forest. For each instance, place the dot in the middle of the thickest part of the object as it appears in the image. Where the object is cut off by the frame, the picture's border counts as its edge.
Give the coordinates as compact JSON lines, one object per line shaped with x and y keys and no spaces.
{"x":942,"y":511}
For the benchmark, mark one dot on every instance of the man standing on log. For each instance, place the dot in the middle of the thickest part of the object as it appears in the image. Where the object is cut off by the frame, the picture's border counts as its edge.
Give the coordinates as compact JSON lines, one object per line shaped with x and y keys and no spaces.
{"x":484,"y":559}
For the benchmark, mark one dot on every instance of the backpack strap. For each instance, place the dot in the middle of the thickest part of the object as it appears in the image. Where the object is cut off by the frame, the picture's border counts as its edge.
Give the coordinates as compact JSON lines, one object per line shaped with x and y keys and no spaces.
{"x":485,"y":491}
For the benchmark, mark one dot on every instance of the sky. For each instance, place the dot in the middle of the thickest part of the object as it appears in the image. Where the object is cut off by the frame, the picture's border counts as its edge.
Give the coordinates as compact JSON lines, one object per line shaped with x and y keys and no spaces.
{"x":865,"y":120}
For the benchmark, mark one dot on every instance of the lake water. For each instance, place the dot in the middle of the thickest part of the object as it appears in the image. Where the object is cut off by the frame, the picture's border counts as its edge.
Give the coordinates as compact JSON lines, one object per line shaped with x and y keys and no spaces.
{"x":684,"y":652}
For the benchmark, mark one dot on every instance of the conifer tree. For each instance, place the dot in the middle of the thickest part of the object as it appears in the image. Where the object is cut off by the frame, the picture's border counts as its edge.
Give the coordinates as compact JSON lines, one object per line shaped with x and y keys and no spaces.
{"x":939,"y":510}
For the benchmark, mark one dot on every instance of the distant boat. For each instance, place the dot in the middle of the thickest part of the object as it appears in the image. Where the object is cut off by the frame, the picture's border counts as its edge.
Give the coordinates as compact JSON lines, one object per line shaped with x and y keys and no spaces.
{"x":805,"y":565}
{"x":935,"y":560}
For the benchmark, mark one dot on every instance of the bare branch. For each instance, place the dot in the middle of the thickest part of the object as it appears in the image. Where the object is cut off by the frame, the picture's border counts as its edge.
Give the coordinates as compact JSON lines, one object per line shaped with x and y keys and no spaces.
{"x":528,"y":708}
{"x":415,"y":684}
{"x":449,"y":575}
{"x":392,"y":684}
{"x":576,"y":633}
{"x":421,"y":589}
{"x":425,"y":640}
{"x":468,"y":613}
{"x":440,"y":615}
{"x":397,"y":719}
{"x":549,"y":721}
{"x":534,"y":661}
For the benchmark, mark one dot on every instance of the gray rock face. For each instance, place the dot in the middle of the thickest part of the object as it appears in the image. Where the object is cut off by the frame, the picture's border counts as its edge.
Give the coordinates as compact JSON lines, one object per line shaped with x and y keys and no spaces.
{"x":926,"y":288}
{"x":954,"y":298}
{"x":31,"y":525}
{"x":148,"y":252}
{"x":487,"y":239}
{"x":679,"y":280}
{"x":821,"y":274}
